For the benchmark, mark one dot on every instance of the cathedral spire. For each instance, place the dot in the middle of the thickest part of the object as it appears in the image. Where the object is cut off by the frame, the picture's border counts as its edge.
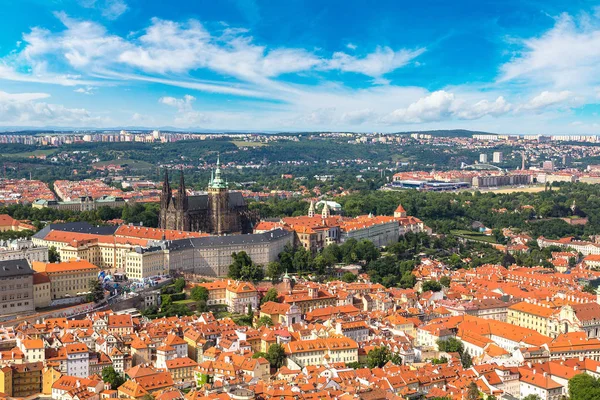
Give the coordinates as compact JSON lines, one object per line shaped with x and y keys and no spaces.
{"x":181,"y":193}
{"x":166,"y":189}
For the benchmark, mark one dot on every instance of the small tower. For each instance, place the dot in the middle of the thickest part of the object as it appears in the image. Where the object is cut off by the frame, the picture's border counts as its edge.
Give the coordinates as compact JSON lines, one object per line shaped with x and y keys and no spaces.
{"x":313,"y":291}
{"x":400,"y":212}
{"x":573,"y":207}
{"x":325,"y":213}
{"x":287,"y":283}
{"x":311,"y":209}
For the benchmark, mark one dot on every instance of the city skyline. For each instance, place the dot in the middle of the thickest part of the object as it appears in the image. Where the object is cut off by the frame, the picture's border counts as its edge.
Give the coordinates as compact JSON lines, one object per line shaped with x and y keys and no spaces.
{"x":511,"y":67}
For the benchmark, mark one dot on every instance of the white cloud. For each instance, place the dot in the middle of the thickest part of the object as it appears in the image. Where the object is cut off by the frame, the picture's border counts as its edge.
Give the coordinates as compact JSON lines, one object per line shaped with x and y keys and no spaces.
{"x":87,"y":56}
{"x":442,"y":105}
{"x":166,"y":47}
{"x":484,"y":107}
{"x":22,"y":97}
{"x":358,"y":117}
{"x":23,"y":109}
{"x":89,"y":90}
{"x":81,"y":44}
{"x":434,"y":107}
{"x":376,"y":64}
{"x":186,"y":115}
{"x":547,"y":99}
{"x":566,"y":56}
{"x":113,"y":9}
{"x":110,"y":9}
{"x":183,"y":104}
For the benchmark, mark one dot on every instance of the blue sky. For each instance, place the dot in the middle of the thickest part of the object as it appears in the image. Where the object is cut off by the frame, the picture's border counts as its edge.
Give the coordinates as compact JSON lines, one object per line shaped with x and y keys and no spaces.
{"x":502,"y":66}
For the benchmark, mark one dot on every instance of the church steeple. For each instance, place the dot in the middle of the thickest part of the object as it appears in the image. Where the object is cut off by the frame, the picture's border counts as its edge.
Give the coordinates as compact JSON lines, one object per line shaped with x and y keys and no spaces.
{"x":325,"y":213}
{"x":181,"y":193}
{"x":311,"y":209}
{"x":166,"y":190}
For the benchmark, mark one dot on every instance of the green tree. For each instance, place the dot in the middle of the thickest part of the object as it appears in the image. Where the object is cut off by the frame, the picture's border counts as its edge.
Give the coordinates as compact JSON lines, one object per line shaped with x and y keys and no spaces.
{"x":378,"y":357}
{"x":179,"y":284}
{"x":165,"y":301}
{"x":434,"y":286}
{"x":252,"y":272}
{"x":274,"y":270}
{"x":466,"y":360}
{"x":199,"y":293}
{"x":302,"y":260}
{"x":201,"y":306}
{"x":584,"y":387}
{"x":271,"y":295}
{"x":53,"y":255}
{"x":473,"y":392}
{"x":243,"y":268}
{"x":445,"y":281}
{"x":109,"y":375}
{"x":96,"y":291}
{"x":276,"y":355}
{"x":354,"y":365}
{"x":589,"y":288}
{"x":450,"y":345}
{"x":349,"y":277}
{"x":533,"y":397}
{"x":264,"y":321}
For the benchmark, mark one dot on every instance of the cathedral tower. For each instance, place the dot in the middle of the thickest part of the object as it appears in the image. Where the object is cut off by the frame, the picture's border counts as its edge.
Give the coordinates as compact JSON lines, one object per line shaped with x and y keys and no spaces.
{"x":165,"y":201}
{"x":182,"y":205}
{"x":219,"y":203}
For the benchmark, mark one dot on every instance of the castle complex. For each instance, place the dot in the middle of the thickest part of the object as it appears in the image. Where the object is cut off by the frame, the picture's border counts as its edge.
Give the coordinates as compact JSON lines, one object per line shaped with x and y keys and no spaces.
{"x":217,"y":212}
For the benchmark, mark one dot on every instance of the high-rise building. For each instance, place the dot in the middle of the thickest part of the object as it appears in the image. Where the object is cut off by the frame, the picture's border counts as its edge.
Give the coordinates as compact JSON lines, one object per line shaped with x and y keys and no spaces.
{"x":497,"y":157}
{"x":483,"y":158}
{"x":548,"y":165}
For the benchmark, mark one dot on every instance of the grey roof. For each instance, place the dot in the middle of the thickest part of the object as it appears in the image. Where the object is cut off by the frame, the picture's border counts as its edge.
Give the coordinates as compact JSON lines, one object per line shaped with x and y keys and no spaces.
{"x":79,"y":227}
{"x":213,"y":241}
{"x":15,"y":268}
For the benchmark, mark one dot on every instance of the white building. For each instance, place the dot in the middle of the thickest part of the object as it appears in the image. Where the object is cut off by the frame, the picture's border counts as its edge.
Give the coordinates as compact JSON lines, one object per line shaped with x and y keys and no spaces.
{"x":78,"y":360}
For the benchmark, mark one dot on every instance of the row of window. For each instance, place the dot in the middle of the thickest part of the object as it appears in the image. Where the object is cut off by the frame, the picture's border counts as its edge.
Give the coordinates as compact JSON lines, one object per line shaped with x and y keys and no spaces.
{"x":12,"y":305}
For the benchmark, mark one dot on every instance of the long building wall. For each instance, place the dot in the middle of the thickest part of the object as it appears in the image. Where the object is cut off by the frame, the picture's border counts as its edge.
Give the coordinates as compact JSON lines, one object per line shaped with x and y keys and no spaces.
{"x":201,"y":257}
{"x":204,"y":255}
{"x":380,"y":234}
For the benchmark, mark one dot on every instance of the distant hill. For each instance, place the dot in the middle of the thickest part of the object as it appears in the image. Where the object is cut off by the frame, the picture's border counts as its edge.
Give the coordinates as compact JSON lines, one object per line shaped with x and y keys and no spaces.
{"x":55,"y":130}
{"x":450,"y":133}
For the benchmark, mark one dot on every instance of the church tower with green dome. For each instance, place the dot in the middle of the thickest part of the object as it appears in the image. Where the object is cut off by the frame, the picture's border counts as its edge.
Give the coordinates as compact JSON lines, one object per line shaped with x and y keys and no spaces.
{"x":218,"y":200}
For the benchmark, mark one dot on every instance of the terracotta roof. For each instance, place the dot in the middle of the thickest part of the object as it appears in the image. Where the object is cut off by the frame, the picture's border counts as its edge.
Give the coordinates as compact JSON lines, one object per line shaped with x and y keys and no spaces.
{"x":71,"y":265}
{"x":142,"y":232}
{"x":181,"y":362}
{"x":40,"y":278}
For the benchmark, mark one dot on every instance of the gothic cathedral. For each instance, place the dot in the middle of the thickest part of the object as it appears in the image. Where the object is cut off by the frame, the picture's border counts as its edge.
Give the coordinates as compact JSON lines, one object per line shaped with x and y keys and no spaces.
{"x":216,"y":212}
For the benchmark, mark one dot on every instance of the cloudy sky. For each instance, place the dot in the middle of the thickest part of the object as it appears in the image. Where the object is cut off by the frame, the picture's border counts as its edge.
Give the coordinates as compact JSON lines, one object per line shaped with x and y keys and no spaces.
{"x":503,"y":65}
